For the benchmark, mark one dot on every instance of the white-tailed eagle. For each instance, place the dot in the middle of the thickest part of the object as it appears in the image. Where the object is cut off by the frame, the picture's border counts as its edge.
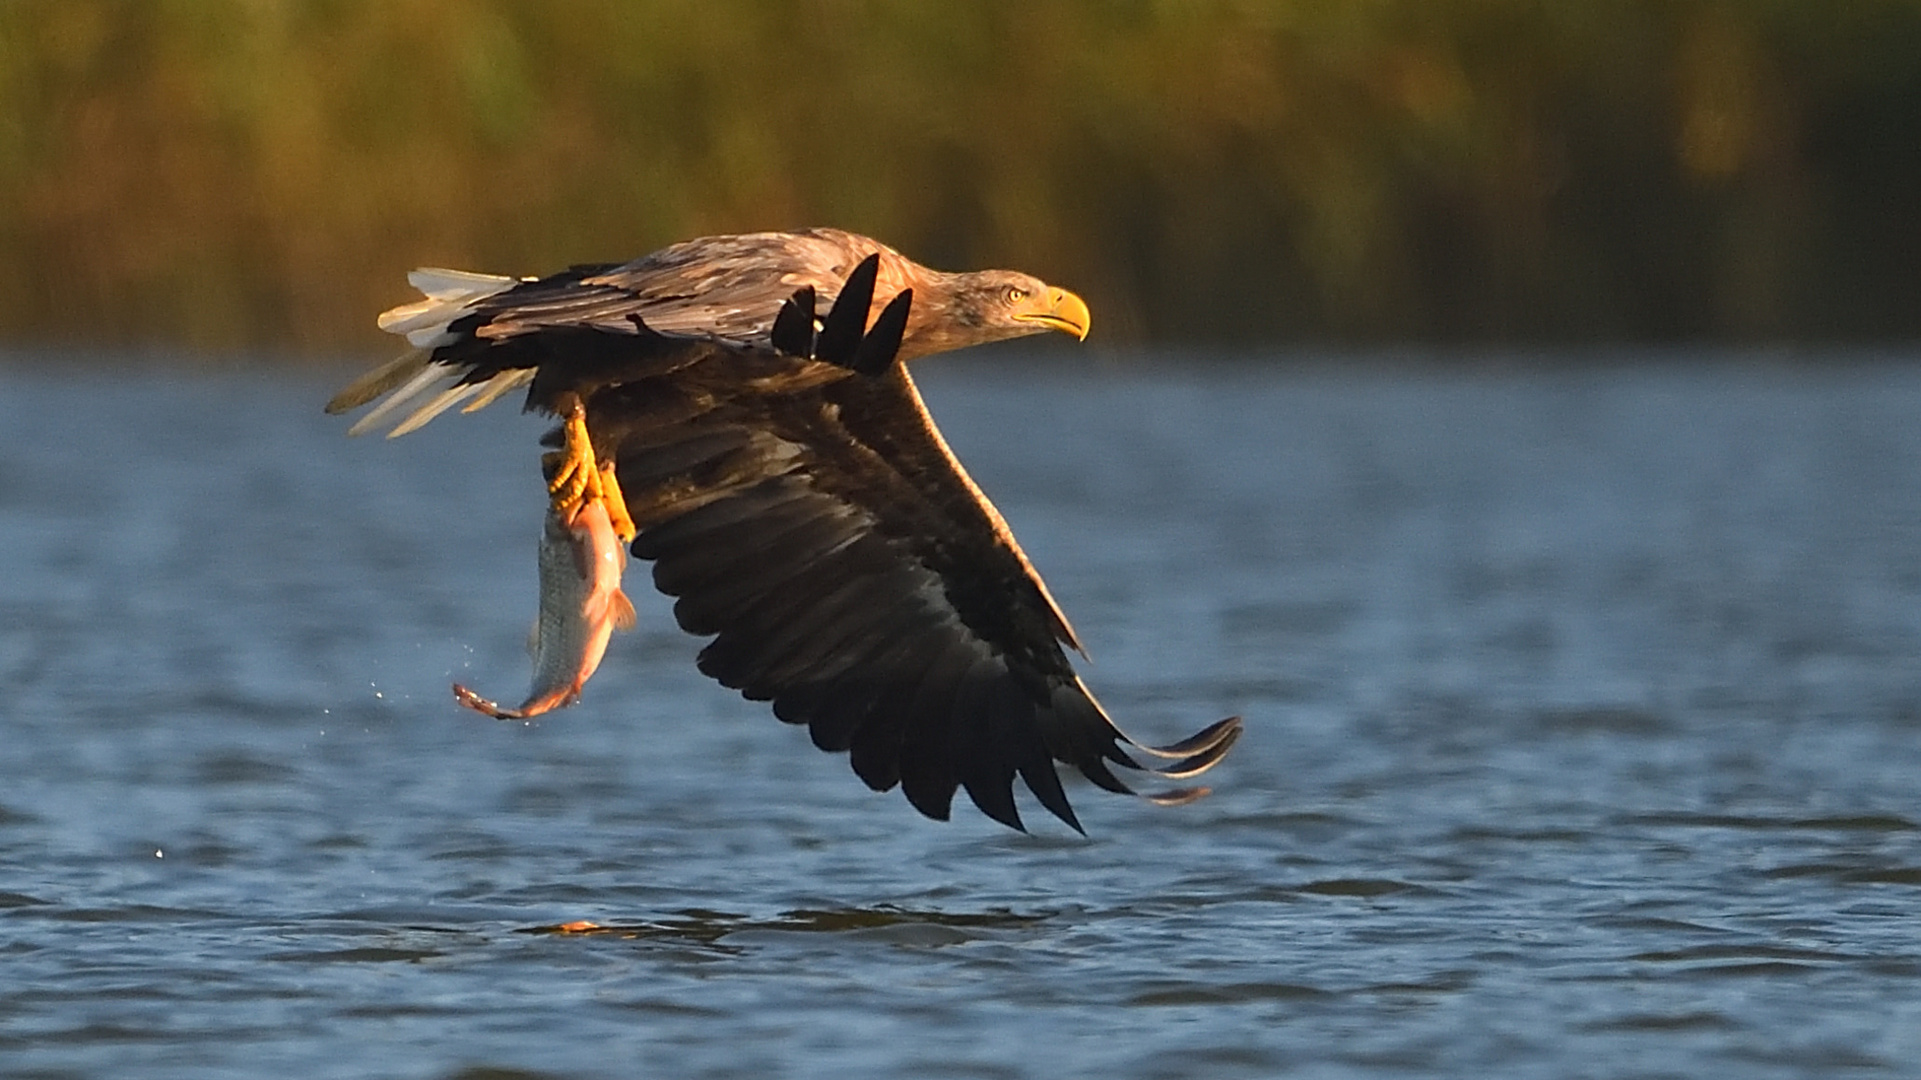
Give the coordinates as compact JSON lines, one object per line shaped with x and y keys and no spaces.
{"x":742,"y":406}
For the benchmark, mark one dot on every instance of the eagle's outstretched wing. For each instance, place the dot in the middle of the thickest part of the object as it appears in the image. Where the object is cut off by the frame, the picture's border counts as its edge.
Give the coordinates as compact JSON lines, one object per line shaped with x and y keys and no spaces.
{"x":854,"y":576}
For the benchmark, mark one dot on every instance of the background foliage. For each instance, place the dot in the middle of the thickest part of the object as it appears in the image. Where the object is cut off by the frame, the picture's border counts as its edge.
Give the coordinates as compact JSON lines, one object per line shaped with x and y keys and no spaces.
{"x":223,"y":172}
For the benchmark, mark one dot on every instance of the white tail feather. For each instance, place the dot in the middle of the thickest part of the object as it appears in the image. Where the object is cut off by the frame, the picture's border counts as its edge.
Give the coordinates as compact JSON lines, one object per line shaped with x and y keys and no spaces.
{"x":443,"y":284}
{"x":429,"y":375}
{"x":510,"y":379}
{"x":438,"y":404}
{"x":449,"y":293}
{"x":422,"y":321}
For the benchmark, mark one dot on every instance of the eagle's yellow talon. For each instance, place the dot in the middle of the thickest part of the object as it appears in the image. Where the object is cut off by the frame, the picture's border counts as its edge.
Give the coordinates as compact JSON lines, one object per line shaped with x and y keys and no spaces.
{"x":567,"y":483}
{"x":573,"y":476}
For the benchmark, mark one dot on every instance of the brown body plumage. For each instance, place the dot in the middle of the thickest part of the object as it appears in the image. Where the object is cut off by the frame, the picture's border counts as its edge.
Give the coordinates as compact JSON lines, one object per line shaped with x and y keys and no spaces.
{"x":806,"y":514}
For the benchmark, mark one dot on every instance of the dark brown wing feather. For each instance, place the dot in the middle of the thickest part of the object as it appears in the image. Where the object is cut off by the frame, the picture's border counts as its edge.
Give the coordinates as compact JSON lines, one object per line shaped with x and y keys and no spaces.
{"x":853,"y":575}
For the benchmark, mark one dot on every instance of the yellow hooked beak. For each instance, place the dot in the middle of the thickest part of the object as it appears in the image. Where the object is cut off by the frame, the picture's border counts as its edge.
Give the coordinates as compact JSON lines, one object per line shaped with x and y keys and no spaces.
{"x":1058,"y":310}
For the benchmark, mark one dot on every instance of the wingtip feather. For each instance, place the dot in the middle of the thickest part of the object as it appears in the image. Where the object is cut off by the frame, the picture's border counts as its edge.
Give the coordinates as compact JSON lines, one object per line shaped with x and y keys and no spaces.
{"x":1216,"y":736}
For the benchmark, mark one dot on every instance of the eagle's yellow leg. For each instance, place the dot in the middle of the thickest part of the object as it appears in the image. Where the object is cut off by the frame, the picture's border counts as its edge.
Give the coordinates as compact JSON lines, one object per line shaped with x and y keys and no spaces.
{"x":617,"y":514}
{"x":575,"y":478}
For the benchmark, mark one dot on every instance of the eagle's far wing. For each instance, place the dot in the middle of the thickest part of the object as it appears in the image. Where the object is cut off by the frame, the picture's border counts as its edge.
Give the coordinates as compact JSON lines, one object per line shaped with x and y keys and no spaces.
{"x":852,"y":574}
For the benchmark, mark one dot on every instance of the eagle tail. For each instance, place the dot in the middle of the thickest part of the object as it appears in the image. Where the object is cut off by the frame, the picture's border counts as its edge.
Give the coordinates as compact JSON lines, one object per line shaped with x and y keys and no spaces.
{"x":425,"y":323}
{"x":449,"y":293}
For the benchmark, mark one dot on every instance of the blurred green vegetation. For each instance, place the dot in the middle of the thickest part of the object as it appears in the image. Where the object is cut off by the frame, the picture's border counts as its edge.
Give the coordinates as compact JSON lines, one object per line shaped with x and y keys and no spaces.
{"x":220,"y":173}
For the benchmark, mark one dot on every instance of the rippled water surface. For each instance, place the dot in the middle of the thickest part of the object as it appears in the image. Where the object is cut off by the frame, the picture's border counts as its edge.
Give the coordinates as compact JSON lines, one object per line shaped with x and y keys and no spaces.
{"x":1584,"y":739}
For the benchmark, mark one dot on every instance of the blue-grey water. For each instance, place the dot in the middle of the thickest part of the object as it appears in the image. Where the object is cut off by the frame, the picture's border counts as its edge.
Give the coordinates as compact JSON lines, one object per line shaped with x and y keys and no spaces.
{"x":1584,"y":740}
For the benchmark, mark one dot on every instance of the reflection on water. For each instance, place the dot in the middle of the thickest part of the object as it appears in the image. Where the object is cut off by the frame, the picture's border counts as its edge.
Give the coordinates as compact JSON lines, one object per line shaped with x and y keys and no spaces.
{"x":1582,"y":729}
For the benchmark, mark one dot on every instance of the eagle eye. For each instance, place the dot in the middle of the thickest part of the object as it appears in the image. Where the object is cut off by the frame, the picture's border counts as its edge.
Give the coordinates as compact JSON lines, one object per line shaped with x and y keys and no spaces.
{"x":1015,"y":294}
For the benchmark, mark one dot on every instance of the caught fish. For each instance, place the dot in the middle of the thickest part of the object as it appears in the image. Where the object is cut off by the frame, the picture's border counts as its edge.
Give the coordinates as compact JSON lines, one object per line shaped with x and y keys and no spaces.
{"x":580,"y":607}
